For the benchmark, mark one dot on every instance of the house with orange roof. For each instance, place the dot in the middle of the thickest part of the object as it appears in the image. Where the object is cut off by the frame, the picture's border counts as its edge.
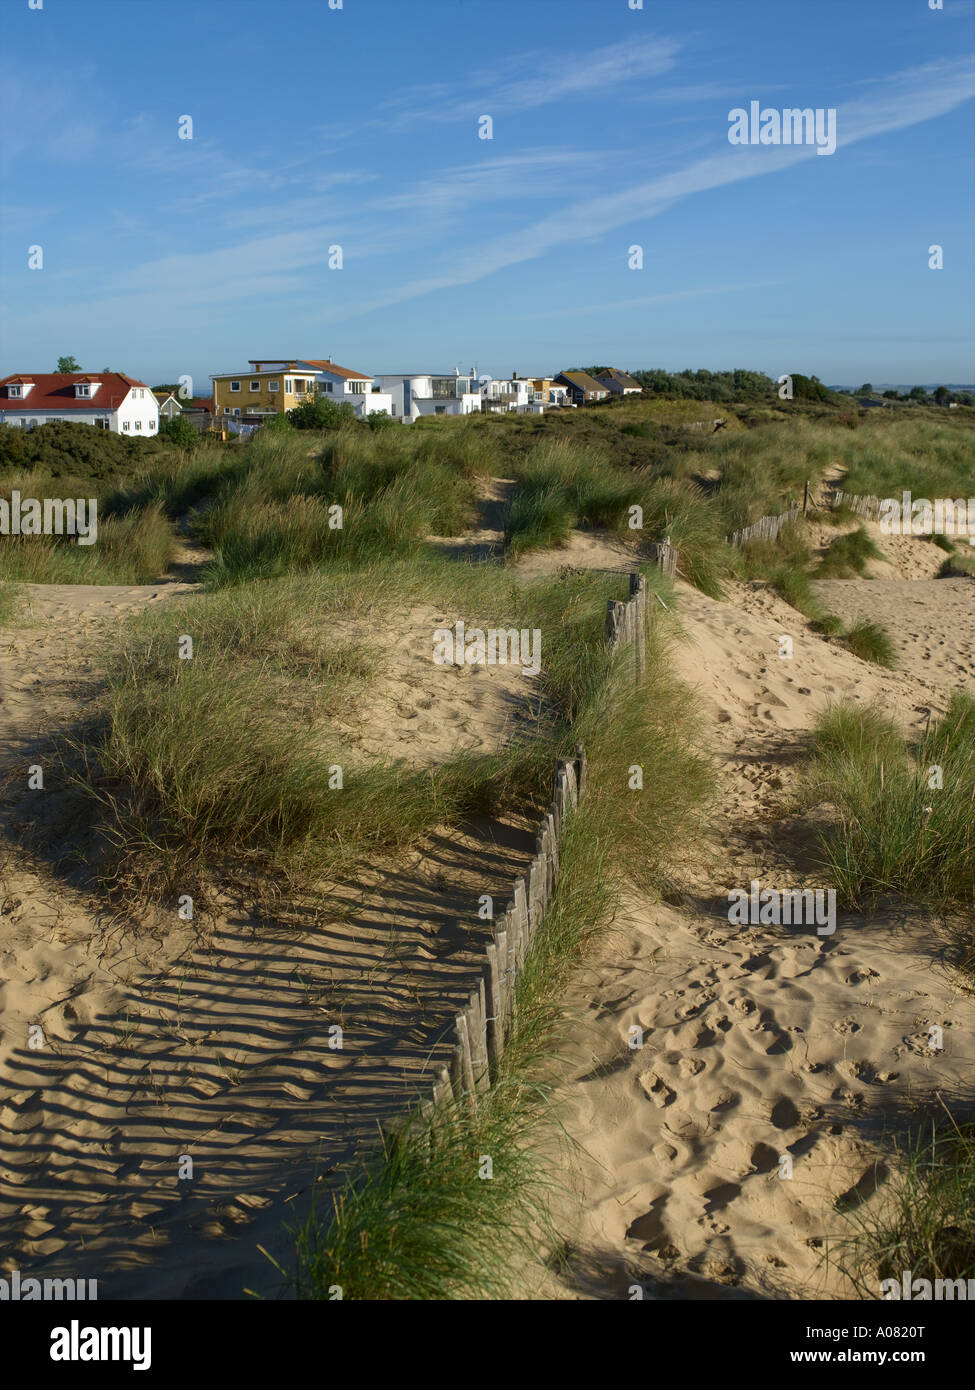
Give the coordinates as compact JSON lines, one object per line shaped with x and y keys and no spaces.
{"x":278,"y":384}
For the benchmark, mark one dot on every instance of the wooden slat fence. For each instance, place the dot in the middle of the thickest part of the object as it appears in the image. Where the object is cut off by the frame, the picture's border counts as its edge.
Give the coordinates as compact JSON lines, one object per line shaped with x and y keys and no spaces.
{"x":483,"y":1025}
{"x":867,"y":507}
{"x":766,"y":528}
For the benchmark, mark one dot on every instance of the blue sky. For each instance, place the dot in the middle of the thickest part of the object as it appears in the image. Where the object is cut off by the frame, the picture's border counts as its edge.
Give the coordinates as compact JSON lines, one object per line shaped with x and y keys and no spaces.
{"x":358,"y":127}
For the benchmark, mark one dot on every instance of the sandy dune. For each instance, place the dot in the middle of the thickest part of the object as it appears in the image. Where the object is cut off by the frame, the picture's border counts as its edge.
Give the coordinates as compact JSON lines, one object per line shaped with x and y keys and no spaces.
{"x":760,"y":1041}
{"x":161,"y":1040}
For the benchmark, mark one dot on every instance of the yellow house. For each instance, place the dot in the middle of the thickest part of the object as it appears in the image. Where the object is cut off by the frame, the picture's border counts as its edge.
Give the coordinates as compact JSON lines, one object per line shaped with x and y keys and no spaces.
{"x":547,"y":390}
{"x":261,"y":390}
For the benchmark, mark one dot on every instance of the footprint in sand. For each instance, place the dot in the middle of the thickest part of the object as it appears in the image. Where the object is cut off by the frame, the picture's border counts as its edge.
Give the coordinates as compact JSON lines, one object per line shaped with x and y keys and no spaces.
{"x":785,"y":1114}
{"x":657,"y":1089}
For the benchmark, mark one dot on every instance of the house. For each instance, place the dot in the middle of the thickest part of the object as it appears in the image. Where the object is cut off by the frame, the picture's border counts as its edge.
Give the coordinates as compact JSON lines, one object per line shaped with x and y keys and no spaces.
{"x":502,"y":395}
{"x":428,"y":393}
{"x":547,"y":391}
{"x":262,"y":391}
{"x":620,"y":383}
{"x":274,"y":385}
{"x":169,"y":406}
{"x":107,"y":400}
{"x":339,"y":384}
{"x":582,"y":388}
{"x":199,"y":412}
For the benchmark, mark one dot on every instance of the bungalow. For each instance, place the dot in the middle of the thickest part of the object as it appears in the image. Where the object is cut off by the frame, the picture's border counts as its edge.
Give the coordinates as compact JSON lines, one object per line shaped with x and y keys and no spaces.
{"x":426,"y":393}
{"x":620,"y":383}
{"x":582,"y":388}
{"x":169,"y":406}
{"x":107,"y":400}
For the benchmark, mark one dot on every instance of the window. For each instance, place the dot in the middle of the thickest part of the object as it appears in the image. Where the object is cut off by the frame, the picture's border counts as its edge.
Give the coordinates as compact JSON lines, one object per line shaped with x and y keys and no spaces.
{"x":226,"y":410}
{"x":289,"y":386}
{"x":237,"y":413}
{"x":272,"y":386}
{"x":152,"y":425}
{"x":255,"y":386}
{"x":15,"y":392}
{"x":138,"y":424}
{"x":82,"y":389}
{"x":235,"y":386}
{"x":330,"y":386}
{"x":125,"y":425}
{"x":358,"y":388}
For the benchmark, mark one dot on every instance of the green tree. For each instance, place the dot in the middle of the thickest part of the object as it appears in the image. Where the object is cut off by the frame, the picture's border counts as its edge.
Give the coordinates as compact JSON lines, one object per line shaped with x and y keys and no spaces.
{"x":179,"y":432}
{"x":917,"y":393}
{"x":942,"y":396}
{"x":809,"y":388}
{"x":865,"y":390}
{"x":68,"y":364}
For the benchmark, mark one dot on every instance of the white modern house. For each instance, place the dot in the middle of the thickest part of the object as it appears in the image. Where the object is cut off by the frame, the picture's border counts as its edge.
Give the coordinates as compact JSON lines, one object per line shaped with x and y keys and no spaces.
{"x":107,"y":400}
{"x":503,"y":395}
{"x":429,"y":393}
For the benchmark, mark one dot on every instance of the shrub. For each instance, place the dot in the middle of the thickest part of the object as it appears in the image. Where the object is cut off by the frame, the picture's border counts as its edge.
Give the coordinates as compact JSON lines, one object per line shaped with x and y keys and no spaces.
{"x":321,"y":414}
{"x":180,"y":432}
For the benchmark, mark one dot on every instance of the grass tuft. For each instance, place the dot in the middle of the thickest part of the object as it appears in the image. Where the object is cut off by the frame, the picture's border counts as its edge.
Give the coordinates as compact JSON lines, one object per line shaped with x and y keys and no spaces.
{"x":871,"y":642}
{"x":906,"y":815}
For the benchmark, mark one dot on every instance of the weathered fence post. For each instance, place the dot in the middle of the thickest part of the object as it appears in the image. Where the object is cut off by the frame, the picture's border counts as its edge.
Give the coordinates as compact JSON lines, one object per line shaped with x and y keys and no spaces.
{"x":466,"y":1058}
{"x":638,"y":599}
{"x":615,"y":618}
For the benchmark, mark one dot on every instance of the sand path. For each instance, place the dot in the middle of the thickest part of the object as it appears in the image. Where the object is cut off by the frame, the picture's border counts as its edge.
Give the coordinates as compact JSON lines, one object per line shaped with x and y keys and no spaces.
{"x":763,"y":1042}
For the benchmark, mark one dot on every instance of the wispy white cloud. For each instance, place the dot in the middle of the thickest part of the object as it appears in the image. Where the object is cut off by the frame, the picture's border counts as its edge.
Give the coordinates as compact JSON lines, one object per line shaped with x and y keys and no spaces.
{"x":528,"y":81}
{"x":899,"y":102}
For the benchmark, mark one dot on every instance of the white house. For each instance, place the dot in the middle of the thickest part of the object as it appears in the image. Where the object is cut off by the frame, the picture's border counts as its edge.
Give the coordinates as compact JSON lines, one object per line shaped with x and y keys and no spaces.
{"x":514,"y":393}
{"x":426,"y":393}
{"x":107,"y":400}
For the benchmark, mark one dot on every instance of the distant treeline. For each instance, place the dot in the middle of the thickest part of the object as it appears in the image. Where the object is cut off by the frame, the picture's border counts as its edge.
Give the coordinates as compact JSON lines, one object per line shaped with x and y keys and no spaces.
{"x":739,"y":385}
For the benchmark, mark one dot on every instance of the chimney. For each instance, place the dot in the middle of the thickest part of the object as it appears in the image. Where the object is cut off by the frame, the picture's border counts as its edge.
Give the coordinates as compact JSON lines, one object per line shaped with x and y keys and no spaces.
{"x":514,"y":376}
